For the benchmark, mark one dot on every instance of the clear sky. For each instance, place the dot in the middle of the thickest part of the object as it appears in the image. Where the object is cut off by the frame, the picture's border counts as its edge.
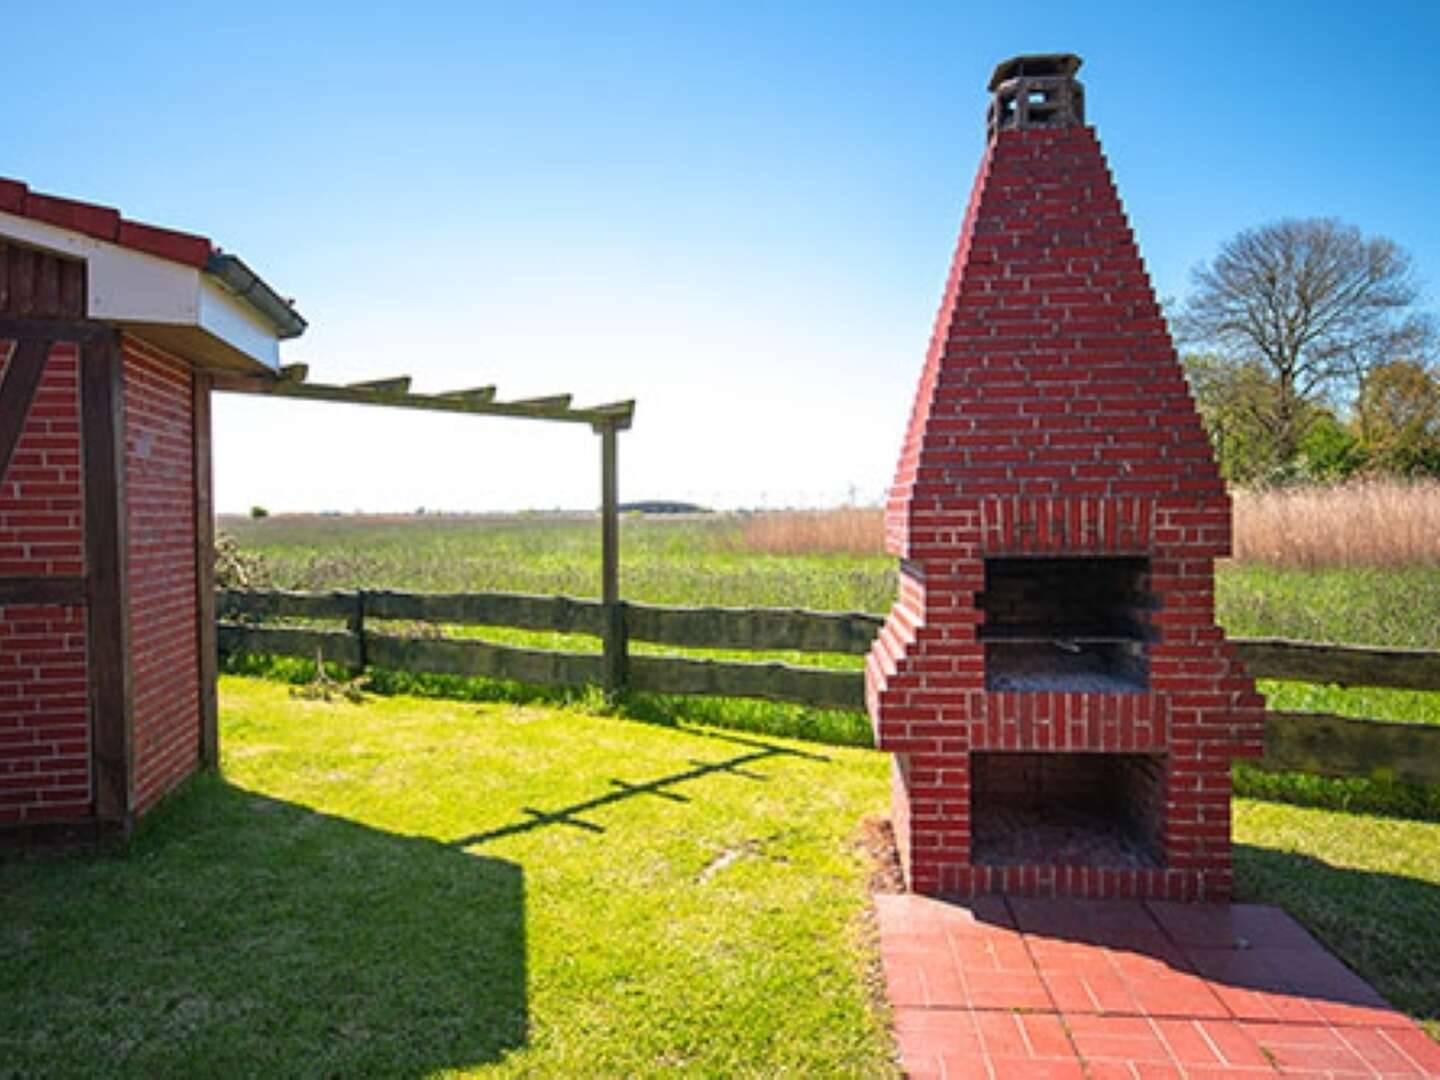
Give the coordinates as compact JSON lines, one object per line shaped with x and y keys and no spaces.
{"x":741,"y":214}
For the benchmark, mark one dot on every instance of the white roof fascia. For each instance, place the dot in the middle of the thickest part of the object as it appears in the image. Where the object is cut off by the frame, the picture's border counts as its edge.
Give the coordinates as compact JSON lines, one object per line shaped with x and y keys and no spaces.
{"x":134,"y":288}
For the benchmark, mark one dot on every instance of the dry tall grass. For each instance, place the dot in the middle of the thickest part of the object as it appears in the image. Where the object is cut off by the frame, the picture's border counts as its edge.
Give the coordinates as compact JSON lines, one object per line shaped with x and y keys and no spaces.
{"x":1376,"y":523}
{"x":846,"y":531}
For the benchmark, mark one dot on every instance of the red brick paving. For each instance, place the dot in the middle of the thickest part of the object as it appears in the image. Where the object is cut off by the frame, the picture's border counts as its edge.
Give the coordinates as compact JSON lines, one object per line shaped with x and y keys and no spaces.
{"x":1130,"y":990}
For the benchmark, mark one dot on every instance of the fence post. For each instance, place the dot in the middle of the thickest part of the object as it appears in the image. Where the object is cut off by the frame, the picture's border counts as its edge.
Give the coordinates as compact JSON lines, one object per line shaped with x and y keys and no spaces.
{"x":615,"y":645}
{"x":356,"y":625}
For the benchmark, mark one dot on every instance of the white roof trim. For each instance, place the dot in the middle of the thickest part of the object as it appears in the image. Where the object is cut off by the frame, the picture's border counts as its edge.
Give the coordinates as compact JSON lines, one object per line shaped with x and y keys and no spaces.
{"x":132,"y":288}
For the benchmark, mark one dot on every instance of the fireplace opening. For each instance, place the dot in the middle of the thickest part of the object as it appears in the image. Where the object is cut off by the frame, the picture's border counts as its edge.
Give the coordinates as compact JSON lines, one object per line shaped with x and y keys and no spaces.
{"x":1088,"y":809}
{"x":1069,"y":624}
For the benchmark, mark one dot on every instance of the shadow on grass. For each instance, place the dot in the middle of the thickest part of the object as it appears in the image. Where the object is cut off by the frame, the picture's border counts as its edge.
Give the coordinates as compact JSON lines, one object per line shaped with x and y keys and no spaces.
{"x":659,"y":787}
{"x":1384,"y":798}
{"x":240,"y":935}
{"x":1381,"y":925}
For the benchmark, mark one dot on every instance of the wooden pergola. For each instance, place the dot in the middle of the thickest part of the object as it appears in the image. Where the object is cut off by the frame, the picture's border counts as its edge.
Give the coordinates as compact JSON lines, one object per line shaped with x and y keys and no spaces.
{"x":606,"y":420}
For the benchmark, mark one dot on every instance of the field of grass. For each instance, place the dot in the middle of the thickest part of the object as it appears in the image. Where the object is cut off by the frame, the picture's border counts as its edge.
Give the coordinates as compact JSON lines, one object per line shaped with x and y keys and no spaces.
{"x":810,"y":560}
{"x":398,"y":887}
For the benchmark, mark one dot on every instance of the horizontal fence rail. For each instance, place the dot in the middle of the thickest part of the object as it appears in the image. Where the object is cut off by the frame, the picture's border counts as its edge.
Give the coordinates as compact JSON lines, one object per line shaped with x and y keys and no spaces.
{"x":1306,"y":742}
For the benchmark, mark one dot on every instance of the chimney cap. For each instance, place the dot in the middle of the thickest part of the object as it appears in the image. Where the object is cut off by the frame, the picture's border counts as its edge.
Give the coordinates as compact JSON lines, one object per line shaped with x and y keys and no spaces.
{"x":1051,"y":65}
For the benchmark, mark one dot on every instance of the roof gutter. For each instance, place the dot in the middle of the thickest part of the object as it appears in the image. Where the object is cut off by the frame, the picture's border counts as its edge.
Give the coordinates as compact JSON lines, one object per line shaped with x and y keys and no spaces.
{"x":232,"y":272}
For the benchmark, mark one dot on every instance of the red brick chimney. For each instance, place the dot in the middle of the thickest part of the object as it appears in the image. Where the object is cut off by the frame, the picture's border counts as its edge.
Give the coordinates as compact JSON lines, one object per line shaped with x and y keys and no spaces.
{"x":1061,"y":706}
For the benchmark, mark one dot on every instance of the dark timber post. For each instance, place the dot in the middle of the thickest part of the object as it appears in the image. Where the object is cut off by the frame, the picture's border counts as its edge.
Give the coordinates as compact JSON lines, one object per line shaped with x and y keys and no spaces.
{"x":205,"y":573}
{"x":107,"y":578}
{"x":615,"y":647}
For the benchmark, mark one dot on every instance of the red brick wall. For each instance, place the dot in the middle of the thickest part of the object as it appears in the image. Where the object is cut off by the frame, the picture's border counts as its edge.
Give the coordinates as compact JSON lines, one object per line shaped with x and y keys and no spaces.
{"x":160,"y":489}
{"x":44,"y":715}
{"x":1052,"y":418}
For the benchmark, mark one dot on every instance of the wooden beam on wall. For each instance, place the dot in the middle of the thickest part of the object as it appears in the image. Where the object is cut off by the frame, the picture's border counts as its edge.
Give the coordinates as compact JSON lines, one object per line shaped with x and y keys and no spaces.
{"x":18,"y":387}
{"x":205,"y":644}
{"x":107,"y":577}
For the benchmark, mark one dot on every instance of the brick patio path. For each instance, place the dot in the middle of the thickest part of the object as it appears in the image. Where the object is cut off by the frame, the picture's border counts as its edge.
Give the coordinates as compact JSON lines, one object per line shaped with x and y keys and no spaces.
{"x":1119,"y":989}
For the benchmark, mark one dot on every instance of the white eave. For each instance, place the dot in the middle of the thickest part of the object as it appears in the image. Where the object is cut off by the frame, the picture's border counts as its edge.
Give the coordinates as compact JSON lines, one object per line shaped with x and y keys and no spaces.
{"x":180,"y":308}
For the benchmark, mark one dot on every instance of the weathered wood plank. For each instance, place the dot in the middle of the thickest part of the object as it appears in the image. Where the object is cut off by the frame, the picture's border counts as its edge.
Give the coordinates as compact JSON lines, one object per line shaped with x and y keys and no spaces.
{"x":274,"y":603}
{"x":479,"y":394}
{"x":1346,"y":747}
{"x":336,"y":646}
{"x":753,"y":628}
{"x":1345,"y":665}
{"x":773,"y":681}
{"x":559,"y":613}
{"x":400,"y":384}
{"x":480,"y":658}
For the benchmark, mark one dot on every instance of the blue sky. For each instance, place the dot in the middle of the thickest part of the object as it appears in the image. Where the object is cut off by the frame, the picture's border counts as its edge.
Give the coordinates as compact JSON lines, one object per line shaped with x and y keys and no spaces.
{"x":740,"y":214}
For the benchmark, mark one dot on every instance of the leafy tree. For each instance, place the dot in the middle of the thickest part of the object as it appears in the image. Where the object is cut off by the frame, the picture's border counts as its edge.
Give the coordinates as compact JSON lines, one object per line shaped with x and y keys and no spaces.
{"x":1398,"y":414}
{"x":1236,"y":403}
{"x":1329,"y":452}
{"x":1235,"y":400}
{"x":1312,"y":304}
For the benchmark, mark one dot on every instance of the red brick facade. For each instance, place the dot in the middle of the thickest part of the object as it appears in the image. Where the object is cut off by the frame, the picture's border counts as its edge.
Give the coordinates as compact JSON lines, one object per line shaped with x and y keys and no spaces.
{"x":44,"y":716}
{"x":1053,"y":419}
{"x":46,"y":705}
{"x":160,"y":500}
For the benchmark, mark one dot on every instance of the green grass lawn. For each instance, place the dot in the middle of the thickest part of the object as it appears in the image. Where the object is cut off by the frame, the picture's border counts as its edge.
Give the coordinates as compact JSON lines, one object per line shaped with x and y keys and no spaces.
{"x":403,"y":887}
{"x":406,"y":887}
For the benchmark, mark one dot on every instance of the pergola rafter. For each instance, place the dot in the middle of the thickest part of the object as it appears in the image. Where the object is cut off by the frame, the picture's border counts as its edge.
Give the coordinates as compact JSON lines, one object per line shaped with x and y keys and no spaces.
{"x":606,"y":420}
{"x":396,"y":392}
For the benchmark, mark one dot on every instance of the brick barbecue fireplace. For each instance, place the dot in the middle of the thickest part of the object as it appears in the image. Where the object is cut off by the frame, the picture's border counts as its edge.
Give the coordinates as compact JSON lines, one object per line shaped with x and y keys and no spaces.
{"x":1061,"y":707}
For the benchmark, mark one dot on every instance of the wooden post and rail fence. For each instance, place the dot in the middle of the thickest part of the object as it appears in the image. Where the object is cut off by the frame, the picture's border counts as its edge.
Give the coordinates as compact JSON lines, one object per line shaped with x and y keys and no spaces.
{"x":1303,"y":742}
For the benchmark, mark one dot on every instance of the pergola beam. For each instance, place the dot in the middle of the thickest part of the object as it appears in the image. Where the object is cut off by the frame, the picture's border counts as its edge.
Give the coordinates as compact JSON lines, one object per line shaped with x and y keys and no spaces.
{"x":388,"y":392}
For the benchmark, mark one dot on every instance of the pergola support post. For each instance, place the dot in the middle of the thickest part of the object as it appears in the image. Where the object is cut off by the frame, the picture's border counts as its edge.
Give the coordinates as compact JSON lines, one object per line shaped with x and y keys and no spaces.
{"x":615,"y":645}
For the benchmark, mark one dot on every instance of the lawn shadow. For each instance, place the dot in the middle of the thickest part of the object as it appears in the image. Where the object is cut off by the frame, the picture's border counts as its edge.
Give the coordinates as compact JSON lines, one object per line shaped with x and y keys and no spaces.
{"x":659,"y":787}
{"x":1382,"y":925}
{"x":243,"y":935}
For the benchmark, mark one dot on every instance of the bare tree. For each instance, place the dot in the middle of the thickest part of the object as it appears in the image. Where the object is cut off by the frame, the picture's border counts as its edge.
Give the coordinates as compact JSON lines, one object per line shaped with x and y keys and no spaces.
{"x":1316,"y":304}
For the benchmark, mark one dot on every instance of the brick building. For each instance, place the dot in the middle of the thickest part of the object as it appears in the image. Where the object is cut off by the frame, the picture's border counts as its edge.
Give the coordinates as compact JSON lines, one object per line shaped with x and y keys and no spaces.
{"x":111,"y":332}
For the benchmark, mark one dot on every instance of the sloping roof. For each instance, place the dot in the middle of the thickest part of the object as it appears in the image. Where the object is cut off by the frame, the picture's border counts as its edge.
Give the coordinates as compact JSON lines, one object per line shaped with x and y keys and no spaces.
{"x":171,"y":305}
{"x":104,"y":223}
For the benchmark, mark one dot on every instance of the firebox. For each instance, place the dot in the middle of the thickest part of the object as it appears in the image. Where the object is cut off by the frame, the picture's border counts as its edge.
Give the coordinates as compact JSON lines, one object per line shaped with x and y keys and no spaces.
{"x":1061,"y":708}
{"x":1066,"y":624}
{"x":1067,"y":809}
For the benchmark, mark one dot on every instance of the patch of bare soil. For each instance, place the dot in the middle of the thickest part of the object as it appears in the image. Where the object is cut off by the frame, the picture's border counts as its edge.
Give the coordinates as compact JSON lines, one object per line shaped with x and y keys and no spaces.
{"x":876,"y":838}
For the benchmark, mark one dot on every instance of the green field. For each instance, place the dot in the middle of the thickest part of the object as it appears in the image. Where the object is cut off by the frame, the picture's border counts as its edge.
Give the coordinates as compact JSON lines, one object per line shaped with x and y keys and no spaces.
{"x":703,"y":560}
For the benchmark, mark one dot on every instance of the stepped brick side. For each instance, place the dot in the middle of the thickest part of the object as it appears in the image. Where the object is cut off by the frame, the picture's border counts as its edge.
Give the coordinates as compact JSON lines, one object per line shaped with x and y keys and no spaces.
{"x":160,"y":488}
{"x":44,"y":713}
{"x":1052,"y":418}
{"x":1051,"y":371}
